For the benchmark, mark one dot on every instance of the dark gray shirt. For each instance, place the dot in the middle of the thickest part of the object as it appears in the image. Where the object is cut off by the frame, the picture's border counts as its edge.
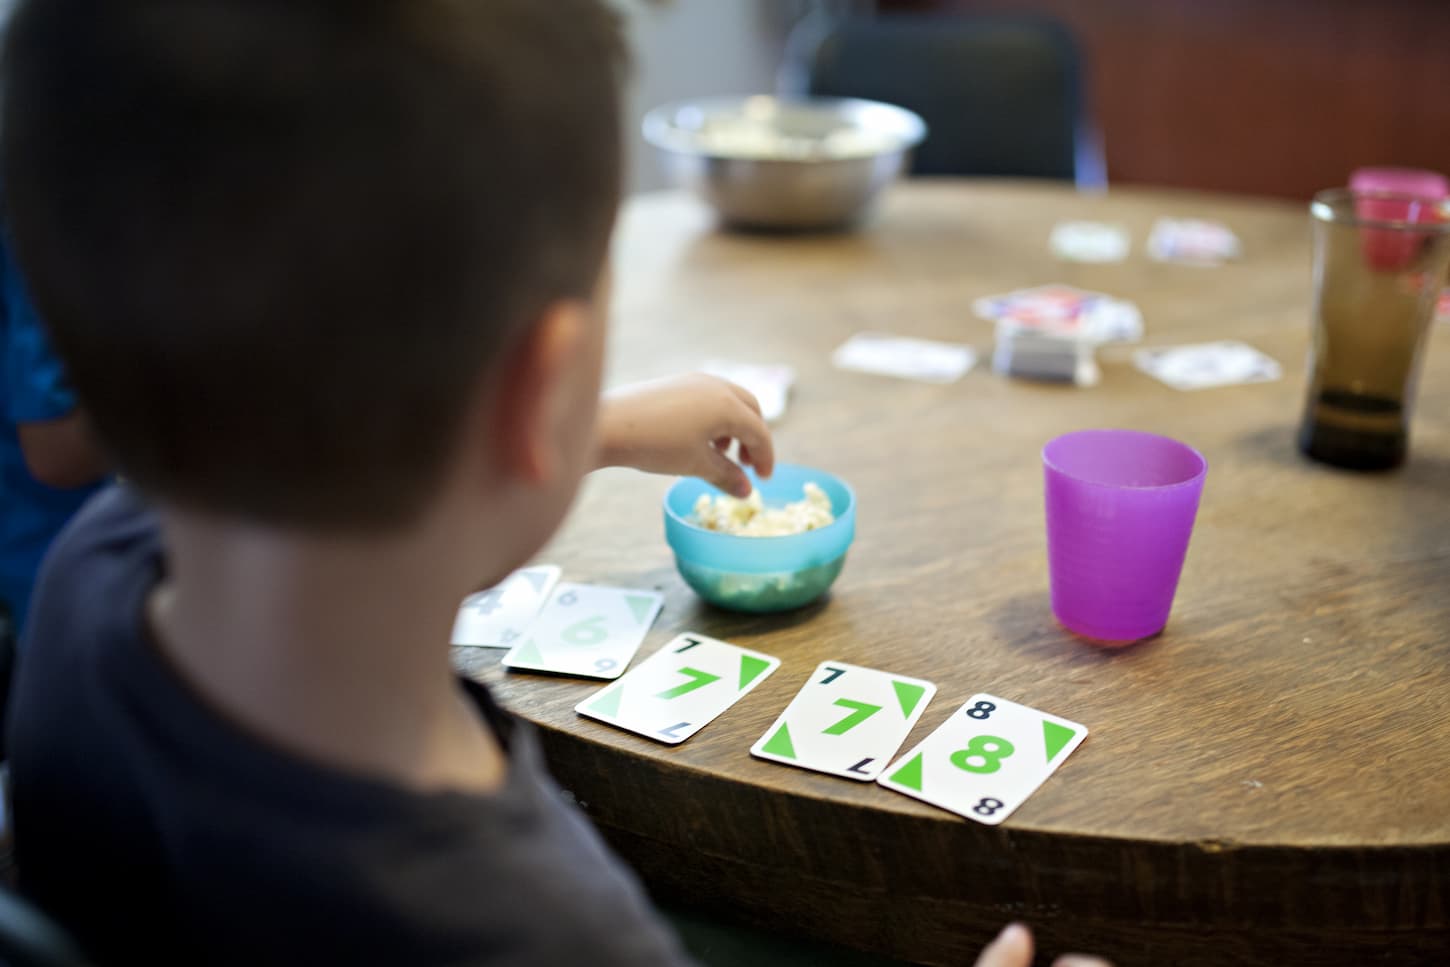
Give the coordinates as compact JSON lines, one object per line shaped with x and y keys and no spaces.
{"x":157,"y":831}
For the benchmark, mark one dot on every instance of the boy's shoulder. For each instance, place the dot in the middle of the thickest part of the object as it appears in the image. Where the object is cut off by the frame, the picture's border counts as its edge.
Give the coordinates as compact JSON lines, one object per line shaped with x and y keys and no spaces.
{"x":104,"y":556}
{"x":118,"y":767}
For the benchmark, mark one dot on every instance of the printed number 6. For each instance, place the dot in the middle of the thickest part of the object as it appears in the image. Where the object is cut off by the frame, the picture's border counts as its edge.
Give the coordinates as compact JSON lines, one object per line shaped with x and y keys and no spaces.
{"x":988,"y":748}
{"x":590,"y":631}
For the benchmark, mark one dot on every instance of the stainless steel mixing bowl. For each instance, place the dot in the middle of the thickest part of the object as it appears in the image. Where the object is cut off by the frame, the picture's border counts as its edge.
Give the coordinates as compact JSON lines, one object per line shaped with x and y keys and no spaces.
{"x":786,"y":164}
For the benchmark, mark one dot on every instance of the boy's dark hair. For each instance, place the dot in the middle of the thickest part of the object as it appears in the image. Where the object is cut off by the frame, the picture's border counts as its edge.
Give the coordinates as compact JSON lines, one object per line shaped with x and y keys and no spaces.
{"x":279,"y":243}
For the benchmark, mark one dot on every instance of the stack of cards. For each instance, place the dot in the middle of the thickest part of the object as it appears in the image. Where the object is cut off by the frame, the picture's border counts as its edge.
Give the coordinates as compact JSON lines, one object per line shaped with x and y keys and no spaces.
{"x":1063,"y":310}
{"x":1051,"y":332}
{"x":922,"y":359}
{"x":1206,"y":365}
{"x":770,"y":385}
{"x":1192,"y":242}
{"x":1089,"y":242}
{"x":1047,"y":356}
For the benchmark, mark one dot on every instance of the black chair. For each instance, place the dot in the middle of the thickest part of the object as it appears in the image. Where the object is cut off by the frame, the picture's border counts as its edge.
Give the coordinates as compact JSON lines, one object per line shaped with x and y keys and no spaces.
{"x":28,"y":938}
{"x":1000,"y":96}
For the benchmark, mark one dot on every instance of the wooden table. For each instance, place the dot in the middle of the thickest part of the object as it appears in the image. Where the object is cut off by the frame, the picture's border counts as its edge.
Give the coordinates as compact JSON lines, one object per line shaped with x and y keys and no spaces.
{"x":1267,"y":782}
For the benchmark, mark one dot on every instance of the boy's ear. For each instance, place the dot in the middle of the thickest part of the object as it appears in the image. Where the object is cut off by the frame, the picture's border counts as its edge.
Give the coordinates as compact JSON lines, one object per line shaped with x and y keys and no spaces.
{"x":535,"y":390}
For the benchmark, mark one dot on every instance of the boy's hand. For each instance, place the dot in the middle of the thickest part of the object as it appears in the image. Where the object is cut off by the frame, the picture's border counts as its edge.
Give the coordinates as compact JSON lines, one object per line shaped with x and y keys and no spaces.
{"x":1013,"y":948}
{"x":683,"y":425}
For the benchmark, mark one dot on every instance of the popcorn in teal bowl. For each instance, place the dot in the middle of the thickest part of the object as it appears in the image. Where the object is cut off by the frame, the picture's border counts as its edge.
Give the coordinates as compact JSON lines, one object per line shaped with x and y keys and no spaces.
{"x":757,"y":568}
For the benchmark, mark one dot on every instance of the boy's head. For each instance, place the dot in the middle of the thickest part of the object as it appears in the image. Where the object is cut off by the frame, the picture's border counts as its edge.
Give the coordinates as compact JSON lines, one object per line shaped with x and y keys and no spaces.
{"x":287,"y":246}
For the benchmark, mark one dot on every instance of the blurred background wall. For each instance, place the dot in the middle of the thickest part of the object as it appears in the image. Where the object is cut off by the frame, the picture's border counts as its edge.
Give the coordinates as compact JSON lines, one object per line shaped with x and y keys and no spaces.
{"x":1275,"y":97}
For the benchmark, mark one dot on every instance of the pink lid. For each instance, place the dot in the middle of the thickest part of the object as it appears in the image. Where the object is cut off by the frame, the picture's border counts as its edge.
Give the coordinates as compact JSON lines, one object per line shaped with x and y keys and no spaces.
{"x":1405,"y":181}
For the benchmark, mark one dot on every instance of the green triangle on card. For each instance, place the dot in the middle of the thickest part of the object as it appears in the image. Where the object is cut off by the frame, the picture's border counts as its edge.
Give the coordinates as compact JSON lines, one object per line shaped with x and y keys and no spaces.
{"x":608,"y":703}
{"x":908,"y":695}
{"x":640,"y":604}
{"x":780,"y":743}
{"x":909,"y":775}
{"x":1054,"y":737}
{"x":750,"y":668}
{"x":529,"y":654}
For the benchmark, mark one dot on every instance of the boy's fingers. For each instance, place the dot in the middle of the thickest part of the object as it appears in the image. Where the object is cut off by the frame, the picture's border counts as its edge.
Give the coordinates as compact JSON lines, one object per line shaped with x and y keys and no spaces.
{"x":725,"y":474}
{"x":1080,"y":960}
{"x":746,"y":397}
{"x":1012,"y":948}
{"x":749,"y":428}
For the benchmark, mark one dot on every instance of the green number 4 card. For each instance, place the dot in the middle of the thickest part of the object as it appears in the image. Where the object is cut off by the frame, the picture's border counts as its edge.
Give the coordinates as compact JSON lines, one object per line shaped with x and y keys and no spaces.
{"x":680,"y":689}
{"x":984,"y":761}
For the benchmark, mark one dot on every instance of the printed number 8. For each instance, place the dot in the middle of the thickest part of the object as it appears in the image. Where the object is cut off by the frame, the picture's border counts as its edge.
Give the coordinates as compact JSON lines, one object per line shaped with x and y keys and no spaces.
{"x":987,"y":807}
{"x":590,"y":631}
{"x":990,"y":749}
{"x":981,"y":711}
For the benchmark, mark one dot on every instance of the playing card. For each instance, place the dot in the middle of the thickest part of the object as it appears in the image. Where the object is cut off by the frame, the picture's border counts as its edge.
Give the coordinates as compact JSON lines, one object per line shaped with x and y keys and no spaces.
{"x":846,"y":720}
{"x":497,"y":617}
{"x":923,"y":359}
{"x":984,"y":761}
{"x":1206,"y":365}
{"x":1045,"y":356}
{"x":1064,"y":310}
{"x":586,"y":630}
{"x":1089,"y":242}
{"x":680,"y":689}
{"x":1192,"y":242}
{"x":770,"y":384}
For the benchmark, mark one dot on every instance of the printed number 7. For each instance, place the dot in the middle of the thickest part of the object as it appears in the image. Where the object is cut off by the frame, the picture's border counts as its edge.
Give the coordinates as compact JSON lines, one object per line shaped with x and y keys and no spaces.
{"x":698,"y":679}
{"x":861,"y":711}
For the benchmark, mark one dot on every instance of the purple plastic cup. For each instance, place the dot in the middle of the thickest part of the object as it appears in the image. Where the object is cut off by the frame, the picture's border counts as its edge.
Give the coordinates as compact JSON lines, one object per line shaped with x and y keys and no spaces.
{"x":1120,"y":511}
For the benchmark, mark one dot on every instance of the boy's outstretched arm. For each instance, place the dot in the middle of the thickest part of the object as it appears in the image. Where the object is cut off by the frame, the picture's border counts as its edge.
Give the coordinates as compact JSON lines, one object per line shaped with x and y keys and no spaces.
{"x":683,"y":425}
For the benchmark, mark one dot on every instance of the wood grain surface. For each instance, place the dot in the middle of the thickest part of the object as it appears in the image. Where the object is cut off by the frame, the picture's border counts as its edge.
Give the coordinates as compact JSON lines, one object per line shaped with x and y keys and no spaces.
{"x":1267,"y":782}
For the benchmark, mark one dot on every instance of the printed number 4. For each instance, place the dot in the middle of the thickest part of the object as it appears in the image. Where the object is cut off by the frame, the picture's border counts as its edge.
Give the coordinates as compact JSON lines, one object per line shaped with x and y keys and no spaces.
{"x":860,"y":712}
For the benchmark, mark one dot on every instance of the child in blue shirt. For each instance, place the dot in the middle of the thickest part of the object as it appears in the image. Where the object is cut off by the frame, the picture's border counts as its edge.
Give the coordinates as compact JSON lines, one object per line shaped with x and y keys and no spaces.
{"x":49,"y":463}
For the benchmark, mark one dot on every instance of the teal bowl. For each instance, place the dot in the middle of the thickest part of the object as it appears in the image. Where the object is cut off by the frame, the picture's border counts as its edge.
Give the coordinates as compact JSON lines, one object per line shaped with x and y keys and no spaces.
{"x":760,"y":575}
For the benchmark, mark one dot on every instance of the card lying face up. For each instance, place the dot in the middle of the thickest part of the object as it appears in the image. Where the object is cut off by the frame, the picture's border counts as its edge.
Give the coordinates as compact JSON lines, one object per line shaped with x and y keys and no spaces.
{"x":846,"y":720}
{"x":984,"y":761}
{"x":588,"y":631}
{"x":680,"y":689}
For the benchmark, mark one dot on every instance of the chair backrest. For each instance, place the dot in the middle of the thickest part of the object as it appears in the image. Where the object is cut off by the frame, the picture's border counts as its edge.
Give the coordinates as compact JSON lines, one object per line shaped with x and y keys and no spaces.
{"x":1000,"y":96}
{"x":28,"y":938}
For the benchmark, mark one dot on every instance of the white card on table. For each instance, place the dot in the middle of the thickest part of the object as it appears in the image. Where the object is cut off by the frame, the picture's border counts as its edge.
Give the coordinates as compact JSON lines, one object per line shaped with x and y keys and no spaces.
{"x":587,"y":631}
{"x":846,"y":720}
{"x":680,"y":689}
{"x":923,"y":359}
{"x":1089,"y":242}
{"x":1206,"y":365}
{"x":770,"y":385}
{"x":1192,"y":241}
{"x":984,"y":761}
{"x":496,"y":618}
